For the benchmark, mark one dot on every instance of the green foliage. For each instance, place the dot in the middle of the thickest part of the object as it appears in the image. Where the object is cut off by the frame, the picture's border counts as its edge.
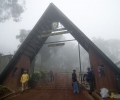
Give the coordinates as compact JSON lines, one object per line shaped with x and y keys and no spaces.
{"x":35,"y":77}
{"x":43,"y":74}
{"x":4,"y":90}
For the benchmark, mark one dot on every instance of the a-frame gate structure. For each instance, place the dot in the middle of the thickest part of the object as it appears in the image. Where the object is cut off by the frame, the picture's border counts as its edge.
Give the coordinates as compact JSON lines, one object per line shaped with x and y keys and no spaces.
{"x":30,"y":47}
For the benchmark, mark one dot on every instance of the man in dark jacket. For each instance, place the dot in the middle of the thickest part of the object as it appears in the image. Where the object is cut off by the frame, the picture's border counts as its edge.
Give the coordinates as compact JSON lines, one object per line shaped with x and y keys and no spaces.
{"x":51,"y":76}
{"x":90,"y":79}
{"x":74,"y":82}
{"x":118,"y":82}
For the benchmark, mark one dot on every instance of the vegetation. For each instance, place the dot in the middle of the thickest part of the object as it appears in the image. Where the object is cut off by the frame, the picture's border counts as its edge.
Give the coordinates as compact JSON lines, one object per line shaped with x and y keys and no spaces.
{"x":35,"y":77}
{"x":11,"y":9}
{"x":22,"y":36}
{"x":65,"y":58}
{"x":1,"y":54}
{"x":4,"y":90}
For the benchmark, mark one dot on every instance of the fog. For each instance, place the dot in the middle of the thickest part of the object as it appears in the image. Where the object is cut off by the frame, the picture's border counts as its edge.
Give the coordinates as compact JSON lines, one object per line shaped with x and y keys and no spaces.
{"x":63,"y":58}
{"x":98,"y":20}
{"x":95,"y":18}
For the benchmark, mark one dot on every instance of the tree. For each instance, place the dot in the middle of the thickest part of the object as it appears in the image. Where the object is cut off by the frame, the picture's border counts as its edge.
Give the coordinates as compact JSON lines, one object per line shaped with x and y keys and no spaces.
{"x":67,"y":57}
{"x":22,"y":36}
{"x":109,"y":47}
{"x":114,"y":49}
{"x":45,"y":53}
{"x":11,"y":9}
{"x":1,"y":54}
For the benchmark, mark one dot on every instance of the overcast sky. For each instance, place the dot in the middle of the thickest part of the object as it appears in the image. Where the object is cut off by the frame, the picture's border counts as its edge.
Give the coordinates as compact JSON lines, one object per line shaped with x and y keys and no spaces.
{"x":96,"y":18}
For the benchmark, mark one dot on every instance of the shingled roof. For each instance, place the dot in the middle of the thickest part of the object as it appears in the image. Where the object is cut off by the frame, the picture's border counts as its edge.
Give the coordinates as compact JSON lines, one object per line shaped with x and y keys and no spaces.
{"x":32,"y":44}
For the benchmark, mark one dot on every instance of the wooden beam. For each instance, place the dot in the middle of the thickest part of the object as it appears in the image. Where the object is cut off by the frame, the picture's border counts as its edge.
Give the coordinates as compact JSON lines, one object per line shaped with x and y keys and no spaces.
{"x":61,"y":29}
{"x":53,"y":45}
{"x":58,"y":33}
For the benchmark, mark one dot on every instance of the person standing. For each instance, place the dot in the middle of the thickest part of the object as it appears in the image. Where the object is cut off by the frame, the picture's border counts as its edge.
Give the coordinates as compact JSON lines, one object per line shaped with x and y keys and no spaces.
{"x":118,"y":82}
{"x":90,"y":79}
{"x":24,"y":80}
{"x":74,"y":82}
{"x":51,"y":75}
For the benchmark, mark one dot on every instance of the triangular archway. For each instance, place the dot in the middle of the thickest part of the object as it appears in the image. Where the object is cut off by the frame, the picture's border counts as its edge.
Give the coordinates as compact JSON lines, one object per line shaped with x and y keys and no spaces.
{"x":32,"y":45}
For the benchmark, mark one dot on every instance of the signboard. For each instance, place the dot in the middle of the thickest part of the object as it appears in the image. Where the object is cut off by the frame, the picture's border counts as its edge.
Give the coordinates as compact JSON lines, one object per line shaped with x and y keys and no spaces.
{"x":61,"y":29}
{"x":58,"y":33}
{"x":53,"y":45}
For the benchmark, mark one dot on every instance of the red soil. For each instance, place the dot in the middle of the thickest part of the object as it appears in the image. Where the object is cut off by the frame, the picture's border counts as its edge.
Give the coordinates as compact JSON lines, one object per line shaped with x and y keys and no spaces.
{"x":60,"y":89}
{"x":59,"y":94}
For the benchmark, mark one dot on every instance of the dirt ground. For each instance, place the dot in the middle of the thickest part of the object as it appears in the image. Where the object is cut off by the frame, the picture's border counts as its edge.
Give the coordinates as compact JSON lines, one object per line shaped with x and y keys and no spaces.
{"x":59,"y":89}
{"x":60,"y":94}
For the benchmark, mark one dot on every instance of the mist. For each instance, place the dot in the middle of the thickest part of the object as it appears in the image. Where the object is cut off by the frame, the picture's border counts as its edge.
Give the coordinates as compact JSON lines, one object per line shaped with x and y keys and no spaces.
{"x":98,"y":20}
{"x":94,"y":18}
{"x":66,"y":58}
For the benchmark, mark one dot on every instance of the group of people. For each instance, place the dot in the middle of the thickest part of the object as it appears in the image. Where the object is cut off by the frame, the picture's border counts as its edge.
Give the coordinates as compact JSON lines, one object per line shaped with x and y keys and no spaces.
{"x":89,"y":77}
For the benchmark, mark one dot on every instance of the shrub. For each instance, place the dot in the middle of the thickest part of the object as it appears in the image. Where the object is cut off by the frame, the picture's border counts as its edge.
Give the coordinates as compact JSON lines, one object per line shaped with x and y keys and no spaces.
{"x":34,"y":77}
{"x":4,"y":90}
{"x":43,"y":74}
